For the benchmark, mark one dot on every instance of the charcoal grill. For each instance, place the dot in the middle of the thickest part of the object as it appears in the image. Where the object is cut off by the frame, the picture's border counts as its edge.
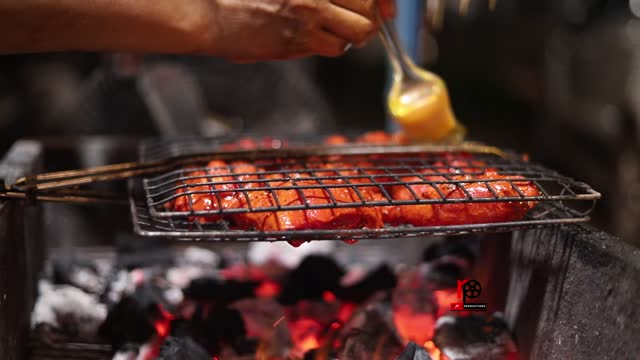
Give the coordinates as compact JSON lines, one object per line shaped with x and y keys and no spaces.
{"x":569,"y":282}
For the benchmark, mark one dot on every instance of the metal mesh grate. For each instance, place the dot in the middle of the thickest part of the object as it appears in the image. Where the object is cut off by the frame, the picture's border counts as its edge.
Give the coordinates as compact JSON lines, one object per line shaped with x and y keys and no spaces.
{"x":358,"y":173}
{"x":474,"y":178}
{"x":183,"y":229}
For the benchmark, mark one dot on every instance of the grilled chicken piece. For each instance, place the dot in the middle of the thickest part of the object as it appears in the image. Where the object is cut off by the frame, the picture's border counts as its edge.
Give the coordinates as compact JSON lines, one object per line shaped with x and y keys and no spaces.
{"x":334,"y":218}
{"x":462,"y":213}
{"x":247,"y":143}
{"x":204,"y":198}
{"x":381,"y":138}
{"x":195,"y":197}
{"x":336,"y":140}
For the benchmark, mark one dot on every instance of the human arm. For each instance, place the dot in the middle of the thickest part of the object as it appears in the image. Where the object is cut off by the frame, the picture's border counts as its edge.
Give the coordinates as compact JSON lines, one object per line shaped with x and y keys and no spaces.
{"x":240,"y":30}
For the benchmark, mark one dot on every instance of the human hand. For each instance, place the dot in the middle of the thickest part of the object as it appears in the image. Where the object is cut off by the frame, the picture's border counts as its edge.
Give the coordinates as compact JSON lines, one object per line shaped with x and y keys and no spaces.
{"x":258,"y":30}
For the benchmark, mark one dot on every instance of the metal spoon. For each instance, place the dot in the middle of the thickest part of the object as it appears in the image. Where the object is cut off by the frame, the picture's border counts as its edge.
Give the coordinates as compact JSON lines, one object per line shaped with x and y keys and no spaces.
{"x":418,"y":100}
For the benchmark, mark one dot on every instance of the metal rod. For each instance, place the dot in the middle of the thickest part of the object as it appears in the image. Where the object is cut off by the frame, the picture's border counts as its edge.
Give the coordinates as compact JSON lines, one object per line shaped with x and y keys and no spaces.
{"x":71,"y":178}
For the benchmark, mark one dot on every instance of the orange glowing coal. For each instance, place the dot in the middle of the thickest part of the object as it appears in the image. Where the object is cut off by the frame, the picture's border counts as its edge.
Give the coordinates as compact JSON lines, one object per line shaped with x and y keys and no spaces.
{"x":414,"y":326}
{"x":308,"y":343}
{"x":433,"y":351}
{"x":444,"y":299}
{"x":304,"y":334}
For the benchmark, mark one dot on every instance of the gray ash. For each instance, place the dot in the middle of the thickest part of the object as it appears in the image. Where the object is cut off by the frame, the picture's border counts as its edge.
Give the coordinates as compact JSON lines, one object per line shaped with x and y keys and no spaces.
{"x":414,"y":351}
{"x":474,"y":338}
{"x":371,"y":337}
{"x":90,"y":276}
{"x":182,"y":348}
{"x":69,"y":310}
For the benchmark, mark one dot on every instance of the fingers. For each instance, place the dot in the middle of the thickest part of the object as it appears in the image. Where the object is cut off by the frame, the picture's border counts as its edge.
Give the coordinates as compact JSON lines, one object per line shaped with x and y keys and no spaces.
{"x":347,"y":24}
{"x":368,"y":8}
{"x":365,"y":8}
{"x":324,"y":43}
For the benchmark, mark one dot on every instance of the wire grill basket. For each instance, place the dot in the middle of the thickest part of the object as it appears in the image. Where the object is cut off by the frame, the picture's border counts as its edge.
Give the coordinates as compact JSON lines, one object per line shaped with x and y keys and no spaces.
{"x":558,"y":199}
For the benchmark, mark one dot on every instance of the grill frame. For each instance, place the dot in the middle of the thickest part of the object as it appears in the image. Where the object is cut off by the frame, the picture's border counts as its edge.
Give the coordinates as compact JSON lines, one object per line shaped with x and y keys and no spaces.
{"x":164,"y":186}
{"x":146,"y":225}
{"x":558,"y":197}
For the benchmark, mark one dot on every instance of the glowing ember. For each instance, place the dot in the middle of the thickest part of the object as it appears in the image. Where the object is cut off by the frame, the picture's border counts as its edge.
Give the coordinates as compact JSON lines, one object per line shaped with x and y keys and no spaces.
{"x":433,"y":351}
{"x":414,"y":326}
{"x":346,"y":311}
{"x":444,"y":299}
{"x":308,"y":343}
{"x":305,"y":334}
{"x":268,"y":289}
{"x":328,"y":296}
{"x":163,"y":325}
{"x":242,"y":272}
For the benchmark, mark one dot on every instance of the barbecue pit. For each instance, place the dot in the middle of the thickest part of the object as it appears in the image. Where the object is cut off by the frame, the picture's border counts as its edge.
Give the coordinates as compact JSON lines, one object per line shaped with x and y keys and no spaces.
{"x":570,"y":287}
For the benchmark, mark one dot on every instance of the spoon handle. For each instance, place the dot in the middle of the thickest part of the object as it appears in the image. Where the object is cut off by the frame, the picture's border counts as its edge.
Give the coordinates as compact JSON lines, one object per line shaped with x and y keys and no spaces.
{"x":400,"y":61}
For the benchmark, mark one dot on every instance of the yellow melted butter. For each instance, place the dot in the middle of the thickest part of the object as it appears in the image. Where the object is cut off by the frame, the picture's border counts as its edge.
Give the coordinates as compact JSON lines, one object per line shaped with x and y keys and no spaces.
{"x":423,"y":110}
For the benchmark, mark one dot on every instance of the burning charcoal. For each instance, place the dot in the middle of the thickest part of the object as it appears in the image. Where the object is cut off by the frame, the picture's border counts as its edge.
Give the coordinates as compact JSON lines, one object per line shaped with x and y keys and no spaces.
{"x":371,"y":337}
{"x":86,"y":275}
{"x":447,"y":262}
{"x":199,"y":257}
{"x":315,"y":276}
{"x":182,"y":276}
{"x":463,"y":249}
{"x":259,"y":315}
{"x":415,"y":306}
{"x":127,"y":352}
{"x":218,"y":291}
{"x":127,"y":322}
{"x":182,"y":349}
{"x":309,"y":322}
{"x":318,"y":354}
{"x":244,"y":346}
{"x":414,"y":352}
{"x":445,"y":276}
{"x":68,"y":309}
{"x":214,"y":328}
{"x":474,"y":338}
{"x":383,"y":278}
{"x":311,"y":355}
{"x":121,"y":284}
{"x":132,"y":320}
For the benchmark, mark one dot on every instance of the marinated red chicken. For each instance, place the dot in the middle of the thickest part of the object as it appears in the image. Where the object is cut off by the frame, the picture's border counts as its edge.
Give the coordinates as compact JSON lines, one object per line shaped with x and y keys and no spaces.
{"x":210,"y":197}
{"x":199,"y":198}
{"x":239,"y":185}
{"x":462,"y":213}
{"x":329,"y":218}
